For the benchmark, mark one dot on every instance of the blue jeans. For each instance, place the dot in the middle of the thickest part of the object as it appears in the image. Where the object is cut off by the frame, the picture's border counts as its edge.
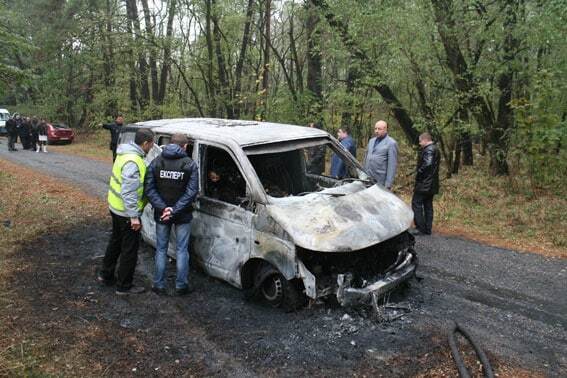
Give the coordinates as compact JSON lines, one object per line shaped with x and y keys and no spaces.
{"x":182,"y":234}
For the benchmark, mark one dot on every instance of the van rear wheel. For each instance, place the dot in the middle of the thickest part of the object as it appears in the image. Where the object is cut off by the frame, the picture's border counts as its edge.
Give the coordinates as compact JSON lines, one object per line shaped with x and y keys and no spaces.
{"x":276,"y":291}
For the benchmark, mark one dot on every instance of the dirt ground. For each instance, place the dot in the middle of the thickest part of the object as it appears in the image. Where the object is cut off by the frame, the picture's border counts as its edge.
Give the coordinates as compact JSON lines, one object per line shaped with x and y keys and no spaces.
{"x":57,"y":321}
{"x":61,"y":322}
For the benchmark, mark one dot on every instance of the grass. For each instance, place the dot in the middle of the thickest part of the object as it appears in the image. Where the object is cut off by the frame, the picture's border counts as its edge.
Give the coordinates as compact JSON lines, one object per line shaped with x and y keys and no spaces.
{"x":30,"y":205}
{"x":92,"y":143}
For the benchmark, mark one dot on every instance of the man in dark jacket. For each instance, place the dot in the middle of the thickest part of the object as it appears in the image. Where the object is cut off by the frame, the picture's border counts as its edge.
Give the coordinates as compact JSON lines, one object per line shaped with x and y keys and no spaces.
{"x":338,"y":167}
{"x":172,"y":183}
{"x":114,"y":129}
{"x":25,"y":133}
{"x":426,"y":184}
{"x":11,"y":129}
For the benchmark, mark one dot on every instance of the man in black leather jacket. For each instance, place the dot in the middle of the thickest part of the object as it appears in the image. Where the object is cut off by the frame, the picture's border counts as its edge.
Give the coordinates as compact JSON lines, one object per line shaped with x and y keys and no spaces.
{"x":426,"y":184}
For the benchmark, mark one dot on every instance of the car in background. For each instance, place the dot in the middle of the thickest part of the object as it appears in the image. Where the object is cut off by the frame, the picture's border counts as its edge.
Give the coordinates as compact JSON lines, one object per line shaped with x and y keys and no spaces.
{"x":59,"y":133}
{"x":4,"y":116}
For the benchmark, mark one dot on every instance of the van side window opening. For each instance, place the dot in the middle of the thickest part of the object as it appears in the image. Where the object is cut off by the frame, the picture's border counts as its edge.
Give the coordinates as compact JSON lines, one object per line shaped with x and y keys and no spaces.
{"x":222,"y":178}
{"x":166,"y":139}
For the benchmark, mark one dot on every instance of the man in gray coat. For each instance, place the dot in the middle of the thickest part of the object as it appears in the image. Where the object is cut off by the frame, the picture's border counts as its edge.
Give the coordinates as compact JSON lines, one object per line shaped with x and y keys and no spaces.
{"x":381,"y":160}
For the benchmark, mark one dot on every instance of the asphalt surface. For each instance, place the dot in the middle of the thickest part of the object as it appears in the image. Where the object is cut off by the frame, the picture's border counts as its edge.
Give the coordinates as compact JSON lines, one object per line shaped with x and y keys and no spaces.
{"x":514,"y":304}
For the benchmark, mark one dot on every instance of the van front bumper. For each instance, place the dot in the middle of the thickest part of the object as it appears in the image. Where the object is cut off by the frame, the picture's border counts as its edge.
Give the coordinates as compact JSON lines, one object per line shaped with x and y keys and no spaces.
{"x":402,"y":270}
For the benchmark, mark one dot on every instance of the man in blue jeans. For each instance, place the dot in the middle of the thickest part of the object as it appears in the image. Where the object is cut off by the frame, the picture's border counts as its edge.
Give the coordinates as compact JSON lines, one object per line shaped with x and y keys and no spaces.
{"x":172,"y":183}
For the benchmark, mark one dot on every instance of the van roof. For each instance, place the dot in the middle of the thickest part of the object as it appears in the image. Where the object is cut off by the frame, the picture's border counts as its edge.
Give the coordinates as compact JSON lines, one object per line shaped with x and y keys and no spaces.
{"x":4,"y":111}
{"x":244,"y":133}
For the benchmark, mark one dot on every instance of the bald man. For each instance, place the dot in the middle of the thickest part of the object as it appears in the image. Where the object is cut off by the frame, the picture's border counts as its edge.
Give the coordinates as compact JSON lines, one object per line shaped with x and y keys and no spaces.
{"x":381,"y":160}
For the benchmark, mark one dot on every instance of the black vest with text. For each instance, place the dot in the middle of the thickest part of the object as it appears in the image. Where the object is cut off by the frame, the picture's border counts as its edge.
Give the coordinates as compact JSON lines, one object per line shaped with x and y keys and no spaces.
{"x":171,"y":177}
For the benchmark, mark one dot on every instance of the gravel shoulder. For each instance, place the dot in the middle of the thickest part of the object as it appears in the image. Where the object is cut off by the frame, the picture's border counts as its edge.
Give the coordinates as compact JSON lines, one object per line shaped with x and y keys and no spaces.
{"x":513,"y":303}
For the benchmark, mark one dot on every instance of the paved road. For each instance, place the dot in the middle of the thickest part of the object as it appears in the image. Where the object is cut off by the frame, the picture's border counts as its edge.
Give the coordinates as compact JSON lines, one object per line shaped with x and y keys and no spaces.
{"x":514,"y":303}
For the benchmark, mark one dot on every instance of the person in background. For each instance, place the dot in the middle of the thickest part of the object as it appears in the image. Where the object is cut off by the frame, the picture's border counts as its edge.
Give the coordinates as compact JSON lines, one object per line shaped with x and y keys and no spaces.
{"x":11,"y":129}
{"x":338,"y":168}
{"x":42,"y":136}
{"x":25,"y":133}
{"x":35,"y":134}
{"x":426,"y":185}
{"x":381,"y":160}
{"x":114,"y":129}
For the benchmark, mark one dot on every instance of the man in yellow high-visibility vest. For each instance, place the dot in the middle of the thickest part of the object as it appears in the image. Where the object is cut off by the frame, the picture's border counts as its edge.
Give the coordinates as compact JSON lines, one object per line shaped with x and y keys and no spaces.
{"x":126,"y":202}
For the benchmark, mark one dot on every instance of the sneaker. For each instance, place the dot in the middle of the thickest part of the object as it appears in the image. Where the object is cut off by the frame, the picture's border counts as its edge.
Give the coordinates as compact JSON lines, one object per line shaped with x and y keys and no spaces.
{"x":183,"y":291}
{"x":159,"y":290}
{"x":131,"y":290}
{"x":100,"y":279}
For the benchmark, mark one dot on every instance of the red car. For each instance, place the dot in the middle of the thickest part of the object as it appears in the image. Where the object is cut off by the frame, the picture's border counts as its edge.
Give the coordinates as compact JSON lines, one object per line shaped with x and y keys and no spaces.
{"x":59,"y":133}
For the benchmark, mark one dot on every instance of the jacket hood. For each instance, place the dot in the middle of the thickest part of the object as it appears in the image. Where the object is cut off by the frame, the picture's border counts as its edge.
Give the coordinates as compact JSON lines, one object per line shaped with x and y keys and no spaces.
{"x":347,"y":218}
{"x":173,"y":151}
{"x":128,"y":148}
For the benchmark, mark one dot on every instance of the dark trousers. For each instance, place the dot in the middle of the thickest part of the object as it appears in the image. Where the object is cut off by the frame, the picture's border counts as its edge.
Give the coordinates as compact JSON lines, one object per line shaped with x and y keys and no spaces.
{"x":113,"y":148}
{"x":122,"y":249}
{"x":12,"y":139}
{"x":422,"y":206}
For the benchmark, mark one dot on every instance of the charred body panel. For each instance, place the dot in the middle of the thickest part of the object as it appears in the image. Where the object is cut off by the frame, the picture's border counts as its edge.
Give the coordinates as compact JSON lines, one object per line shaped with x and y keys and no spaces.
{"x":364,"y":272}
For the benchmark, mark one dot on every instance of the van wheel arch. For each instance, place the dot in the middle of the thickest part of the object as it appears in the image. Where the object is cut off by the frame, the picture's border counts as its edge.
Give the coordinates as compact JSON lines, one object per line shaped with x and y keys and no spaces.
{"x":272,"y":288}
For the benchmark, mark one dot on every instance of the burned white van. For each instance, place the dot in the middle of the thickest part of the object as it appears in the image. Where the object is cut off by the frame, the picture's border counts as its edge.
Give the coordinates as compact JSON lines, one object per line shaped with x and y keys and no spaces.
{"x":272,"y":221}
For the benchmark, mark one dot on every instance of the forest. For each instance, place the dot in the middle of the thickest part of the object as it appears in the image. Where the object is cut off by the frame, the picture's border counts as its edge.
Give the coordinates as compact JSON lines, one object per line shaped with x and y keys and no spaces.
{"x":487,"y":78}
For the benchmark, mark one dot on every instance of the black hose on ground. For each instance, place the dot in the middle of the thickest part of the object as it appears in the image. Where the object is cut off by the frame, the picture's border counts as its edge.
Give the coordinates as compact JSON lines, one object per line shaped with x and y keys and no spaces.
{"x":463,"y":372}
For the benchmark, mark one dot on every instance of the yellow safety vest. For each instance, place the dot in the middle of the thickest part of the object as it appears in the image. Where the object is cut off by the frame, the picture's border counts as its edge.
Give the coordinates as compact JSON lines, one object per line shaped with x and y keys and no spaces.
{"x":114,"y":198}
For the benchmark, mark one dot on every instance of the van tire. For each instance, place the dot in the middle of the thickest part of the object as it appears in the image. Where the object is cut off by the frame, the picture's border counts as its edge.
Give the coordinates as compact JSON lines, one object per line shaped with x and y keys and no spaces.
{"x":273,"y":289}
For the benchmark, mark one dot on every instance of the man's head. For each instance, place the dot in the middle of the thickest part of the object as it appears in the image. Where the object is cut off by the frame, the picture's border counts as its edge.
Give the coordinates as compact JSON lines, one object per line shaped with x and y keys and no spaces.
{"x":425,"y":140}
{"x":119,"y":120}
{"x":145,"y":139}
{"x":180,"y":139}
{"x":381,"y":129}
{"x":343,"y":132}
{"x":214,"y":176}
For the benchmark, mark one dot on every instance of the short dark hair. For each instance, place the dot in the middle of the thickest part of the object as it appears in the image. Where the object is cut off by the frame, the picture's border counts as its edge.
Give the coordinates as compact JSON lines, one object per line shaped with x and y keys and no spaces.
{"x":179,"y":139}
{"x":143,"y":135}
{"x":345,"y":129}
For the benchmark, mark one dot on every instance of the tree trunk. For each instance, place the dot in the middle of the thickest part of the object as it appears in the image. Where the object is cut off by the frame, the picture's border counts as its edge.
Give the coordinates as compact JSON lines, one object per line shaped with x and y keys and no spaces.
{"x":467,"y":149}
{"x":241,"y":57}
{"x":166,"y":64}
{"x":266,"y":58}
{"x":314,"y":83}
{"x":133,"y":90}
{"x":151,"y":49}
{"x":111,"y":108}
{"x":210,"y":60}
{"x":499,"y":135}
{"x":295,"y":57}
{"x":132,"y":14}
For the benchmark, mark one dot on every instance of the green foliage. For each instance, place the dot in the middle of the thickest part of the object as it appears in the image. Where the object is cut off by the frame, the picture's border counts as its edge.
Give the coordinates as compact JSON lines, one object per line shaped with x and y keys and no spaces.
{"x":540,"y":140}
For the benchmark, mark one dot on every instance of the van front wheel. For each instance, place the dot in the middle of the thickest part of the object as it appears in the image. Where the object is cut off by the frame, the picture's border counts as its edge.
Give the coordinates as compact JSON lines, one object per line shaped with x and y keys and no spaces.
{"x":276,"y":291}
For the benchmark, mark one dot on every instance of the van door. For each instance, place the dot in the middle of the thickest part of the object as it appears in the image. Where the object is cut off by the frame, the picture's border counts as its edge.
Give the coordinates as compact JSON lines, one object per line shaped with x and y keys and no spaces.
{"x":221,"y":228}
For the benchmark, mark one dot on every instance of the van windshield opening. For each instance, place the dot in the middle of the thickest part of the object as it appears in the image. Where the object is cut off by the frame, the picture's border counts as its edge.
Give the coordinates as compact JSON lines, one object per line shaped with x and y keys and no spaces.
{"x":299,"y":168}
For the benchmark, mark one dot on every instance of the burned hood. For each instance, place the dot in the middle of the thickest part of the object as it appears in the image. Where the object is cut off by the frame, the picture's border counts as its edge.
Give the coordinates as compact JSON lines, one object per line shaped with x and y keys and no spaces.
{"x":346,"y":218}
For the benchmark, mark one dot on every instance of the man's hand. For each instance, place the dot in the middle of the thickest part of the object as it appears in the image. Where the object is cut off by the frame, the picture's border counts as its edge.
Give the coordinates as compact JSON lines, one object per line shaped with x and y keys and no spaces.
{"x":135,"y":224}
{"x":166,"y":214}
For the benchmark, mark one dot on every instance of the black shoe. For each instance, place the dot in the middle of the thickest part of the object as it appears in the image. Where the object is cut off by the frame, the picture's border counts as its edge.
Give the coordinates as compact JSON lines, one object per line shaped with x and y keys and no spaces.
{"x":159,"y":290}
{"x":183,"y":291}
{"x":131,"y":290}
{"x":417,"y":232}
{"x":100,"y":279}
